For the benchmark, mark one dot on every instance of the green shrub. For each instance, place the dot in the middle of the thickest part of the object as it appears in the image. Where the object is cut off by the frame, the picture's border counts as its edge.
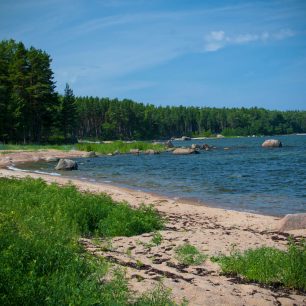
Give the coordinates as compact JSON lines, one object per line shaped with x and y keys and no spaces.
{"x":269,"y":265}
{"x":41,"y":262}
{"x":188,"y":254}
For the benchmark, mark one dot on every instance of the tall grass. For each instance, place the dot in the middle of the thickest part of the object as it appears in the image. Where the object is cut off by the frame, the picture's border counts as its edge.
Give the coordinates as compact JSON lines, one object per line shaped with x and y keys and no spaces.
{"x":269,"y":265}
{"x":120,"y":146}
{"x":41,"y":262}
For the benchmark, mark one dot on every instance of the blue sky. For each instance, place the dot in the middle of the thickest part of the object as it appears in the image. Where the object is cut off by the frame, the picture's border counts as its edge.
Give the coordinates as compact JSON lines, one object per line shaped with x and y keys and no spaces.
{"x":201,"y":53}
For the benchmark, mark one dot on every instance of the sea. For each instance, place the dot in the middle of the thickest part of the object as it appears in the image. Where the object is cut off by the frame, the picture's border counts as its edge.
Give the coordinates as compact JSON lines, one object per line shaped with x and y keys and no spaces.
{"x":237,"y":174}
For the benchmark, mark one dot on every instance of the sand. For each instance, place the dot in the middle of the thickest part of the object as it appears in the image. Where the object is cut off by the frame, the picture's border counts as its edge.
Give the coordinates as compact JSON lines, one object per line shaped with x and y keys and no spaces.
{"x":211,"y":230}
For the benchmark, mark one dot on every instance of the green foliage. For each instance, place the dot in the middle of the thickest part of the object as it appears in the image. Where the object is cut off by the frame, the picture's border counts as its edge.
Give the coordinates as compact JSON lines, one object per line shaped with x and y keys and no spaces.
{"x":32,"y":112}
{"x":157,"y":238}
{"x":188,"y":254}
{"x":41,"y":262}
{"x":68,"y":114}
{"x":160,"y":296}
{"x":126,"y":119}
{"x":124,"y":221}
{"x":269,"y":265}
{"x":120,"y":146}
{"x":36,"y":147}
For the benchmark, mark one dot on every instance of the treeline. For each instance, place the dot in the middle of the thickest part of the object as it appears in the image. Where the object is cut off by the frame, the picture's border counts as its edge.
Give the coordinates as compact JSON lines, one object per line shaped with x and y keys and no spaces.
{"x":126,"y":119}
{"x":31,"y":111}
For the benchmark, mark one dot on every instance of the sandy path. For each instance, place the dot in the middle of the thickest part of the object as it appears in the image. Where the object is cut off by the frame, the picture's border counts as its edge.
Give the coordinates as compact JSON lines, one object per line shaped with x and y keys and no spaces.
{"x":211,"y":230}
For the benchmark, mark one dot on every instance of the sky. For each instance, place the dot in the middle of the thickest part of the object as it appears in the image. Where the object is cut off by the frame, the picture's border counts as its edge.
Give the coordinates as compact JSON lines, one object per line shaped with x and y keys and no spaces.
{"x":195,"y":53}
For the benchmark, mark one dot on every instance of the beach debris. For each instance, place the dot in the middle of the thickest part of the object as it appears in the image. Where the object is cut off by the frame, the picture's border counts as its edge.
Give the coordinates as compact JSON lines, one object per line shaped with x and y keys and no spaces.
{"x":90,"y":154}
{"x":272,"y":143}
{"x":184,"y":151}
{"x":66,"y":164}
{"x":292,"y":222}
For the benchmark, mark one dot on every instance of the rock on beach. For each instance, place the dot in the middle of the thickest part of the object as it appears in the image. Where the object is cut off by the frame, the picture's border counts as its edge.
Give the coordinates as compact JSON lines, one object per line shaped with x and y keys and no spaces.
{"x":66,"y":164}
{"x":292,"y":222}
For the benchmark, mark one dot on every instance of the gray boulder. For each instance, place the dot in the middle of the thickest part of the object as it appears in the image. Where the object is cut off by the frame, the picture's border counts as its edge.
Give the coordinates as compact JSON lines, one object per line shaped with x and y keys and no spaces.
{"x":195,"y":146}
{"x":292,"y":222}
{"x":66,"y":164}
{"x":272,"y":143}
{"x":206,"y":147}
{"x":184,"y":151}
{"x":169,"y":144}
{"x":90,"y":154}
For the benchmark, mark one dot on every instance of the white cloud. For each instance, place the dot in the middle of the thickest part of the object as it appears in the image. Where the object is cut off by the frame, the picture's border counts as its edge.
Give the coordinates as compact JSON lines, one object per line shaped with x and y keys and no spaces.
{"x":217,"y":35}
{"x":217,"y":40}
{"x":283,"y":34}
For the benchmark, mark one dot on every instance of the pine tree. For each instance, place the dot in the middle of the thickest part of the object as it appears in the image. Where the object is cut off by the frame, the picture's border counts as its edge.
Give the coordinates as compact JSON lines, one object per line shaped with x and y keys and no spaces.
{"x":68,"y":114}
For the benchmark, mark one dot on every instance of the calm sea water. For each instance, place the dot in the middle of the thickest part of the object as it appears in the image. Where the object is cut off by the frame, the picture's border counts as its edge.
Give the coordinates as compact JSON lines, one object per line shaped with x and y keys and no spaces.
{"x":246,"y":177}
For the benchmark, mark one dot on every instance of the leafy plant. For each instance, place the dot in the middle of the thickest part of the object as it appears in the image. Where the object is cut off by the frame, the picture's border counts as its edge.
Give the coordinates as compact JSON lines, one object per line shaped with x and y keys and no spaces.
{"x":157,"y":238}
{"x":41,"y":262}
{"x":188,"y":254}
{"x":269,"y":265}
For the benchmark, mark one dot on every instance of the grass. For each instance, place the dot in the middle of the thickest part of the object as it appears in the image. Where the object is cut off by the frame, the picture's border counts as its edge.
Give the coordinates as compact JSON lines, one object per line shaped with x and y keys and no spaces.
{"x":35,"y":147}
{"x":41,"y":261}
{"x":119,"y":146}
{"x":268,"y":265}
{"x":157,"y":238}
{"x":188,"y":254}
{"x":102,"y":148}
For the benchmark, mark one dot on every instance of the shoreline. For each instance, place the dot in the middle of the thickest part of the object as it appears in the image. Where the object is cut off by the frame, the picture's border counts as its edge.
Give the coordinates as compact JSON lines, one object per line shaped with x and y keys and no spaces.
{"x":12,"y":159}
{"x":211,"y":230}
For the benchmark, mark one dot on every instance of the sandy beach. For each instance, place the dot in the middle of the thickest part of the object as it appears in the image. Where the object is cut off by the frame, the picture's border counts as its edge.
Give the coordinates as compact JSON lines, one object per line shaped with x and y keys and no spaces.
{"x":211,"y":230}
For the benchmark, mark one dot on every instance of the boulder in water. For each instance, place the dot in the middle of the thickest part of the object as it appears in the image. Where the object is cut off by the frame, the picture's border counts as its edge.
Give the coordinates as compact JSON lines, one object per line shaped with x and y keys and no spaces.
{"x":292,"y":222}
{"x":184,"y":151}
{"x":169,"y":144}
{"x":66,"y":164}
{"x":272,"y":143}
{"x":195,"y":146}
